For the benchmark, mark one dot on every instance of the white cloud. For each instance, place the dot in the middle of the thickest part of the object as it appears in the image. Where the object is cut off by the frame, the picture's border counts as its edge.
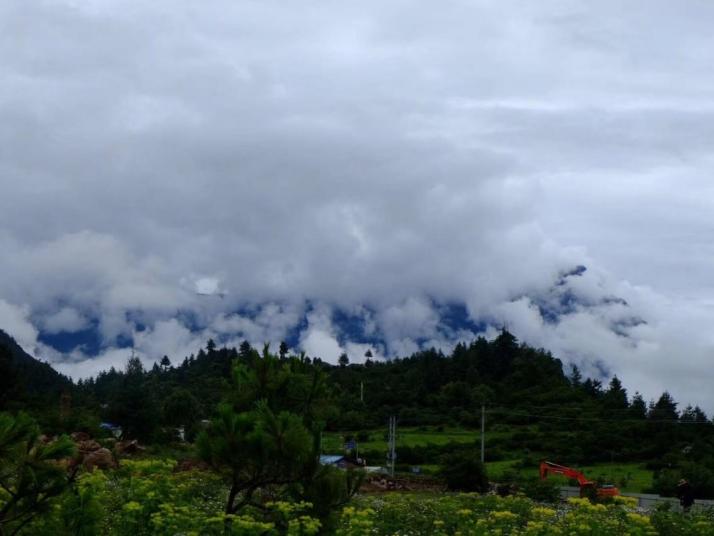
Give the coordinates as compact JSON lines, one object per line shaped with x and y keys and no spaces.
{"x":86,"y":368}
{"x":207,"y":285}
{"x":66,"y":319}
{"x":318,"y":339}
{"x":414,"y":318}
{"x":357,"y":353}
{"x":374,"y":158}
{"x":15,"y":321}
{"x":319,"y":343}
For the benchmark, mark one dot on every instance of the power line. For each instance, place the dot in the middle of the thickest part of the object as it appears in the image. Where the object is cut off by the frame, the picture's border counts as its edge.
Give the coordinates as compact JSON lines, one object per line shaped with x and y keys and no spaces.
{"x":579,"y":408}
{"x":595,"y":419}
{"x":588,"y":408}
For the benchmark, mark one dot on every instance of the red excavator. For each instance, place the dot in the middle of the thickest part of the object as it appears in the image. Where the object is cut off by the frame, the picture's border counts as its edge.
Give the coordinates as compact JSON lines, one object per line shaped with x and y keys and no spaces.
{"x":605,"y":490}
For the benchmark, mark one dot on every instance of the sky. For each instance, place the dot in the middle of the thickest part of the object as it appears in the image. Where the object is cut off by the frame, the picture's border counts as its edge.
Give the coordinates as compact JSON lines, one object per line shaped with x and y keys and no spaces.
{"x":361,"y":175}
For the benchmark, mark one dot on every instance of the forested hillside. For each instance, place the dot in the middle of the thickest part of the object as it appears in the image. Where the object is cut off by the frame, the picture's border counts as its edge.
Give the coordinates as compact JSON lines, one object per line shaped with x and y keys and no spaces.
{"x":534,"y":408}
{"x":24,"y":381}
{"x":230,"y":442}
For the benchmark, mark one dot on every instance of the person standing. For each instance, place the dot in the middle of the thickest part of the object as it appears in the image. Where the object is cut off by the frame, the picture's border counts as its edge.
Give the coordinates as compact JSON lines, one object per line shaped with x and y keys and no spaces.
{"x":685,"y":493}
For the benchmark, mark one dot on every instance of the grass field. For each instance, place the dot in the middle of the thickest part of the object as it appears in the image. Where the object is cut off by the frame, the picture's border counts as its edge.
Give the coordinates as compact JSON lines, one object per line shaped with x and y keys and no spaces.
{"x":408,"y":437}
{"x":631,"y":477}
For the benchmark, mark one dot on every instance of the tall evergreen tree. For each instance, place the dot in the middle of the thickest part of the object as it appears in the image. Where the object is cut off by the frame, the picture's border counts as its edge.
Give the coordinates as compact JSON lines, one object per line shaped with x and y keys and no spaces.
{"x":615,"y":397}
{"x":210,"y":346}
{"x":665,"y":409}
{"x":283,"y":352}
{"x":576,"y":377}
{"x":638,"y":407}
{"x":245,"y":351}
{"x":133,"y":405}
{"x":10,"y":389}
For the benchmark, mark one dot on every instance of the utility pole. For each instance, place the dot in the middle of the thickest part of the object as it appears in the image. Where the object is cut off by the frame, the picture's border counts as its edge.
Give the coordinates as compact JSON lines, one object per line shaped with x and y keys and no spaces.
{"x":391,"y":454}
{"x":361,"y":392}
{"x":483,"y":433}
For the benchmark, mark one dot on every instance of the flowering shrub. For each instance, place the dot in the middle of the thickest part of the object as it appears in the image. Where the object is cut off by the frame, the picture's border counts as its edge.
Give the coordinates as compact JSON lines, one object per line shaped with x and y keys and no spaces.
{"x":468,"y":514}
{"x":145,"y":497}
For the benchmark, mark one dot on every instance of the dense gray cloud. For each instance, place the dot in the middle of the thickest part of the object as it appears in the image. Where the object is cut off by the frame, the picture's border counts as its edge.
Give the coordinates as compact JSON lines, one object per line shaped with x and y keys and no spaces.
{"x":247,"y":166}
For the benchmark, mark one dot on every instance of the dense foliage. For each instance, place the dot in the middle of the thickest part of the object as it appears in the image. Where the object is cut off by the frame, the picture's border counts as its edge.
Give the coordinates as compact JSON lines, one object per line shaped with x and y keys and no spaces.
{"x":30,"y":473}
{"x":264,"y":439}
{"x":463,"y":471}
{"x":467,"y":514}
{"x":150,"y":497}
{"x":257,"y":421}
{"x":534,"y":408}
{"x":26,"y":383}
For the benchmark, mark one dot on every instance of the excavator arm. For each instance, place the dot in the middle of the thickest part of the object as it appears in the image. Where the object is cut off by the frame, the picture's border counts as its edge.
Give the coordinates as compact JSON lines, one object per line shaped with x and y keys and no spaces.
{"x":547,"y":468}
{"x":554,"y":468}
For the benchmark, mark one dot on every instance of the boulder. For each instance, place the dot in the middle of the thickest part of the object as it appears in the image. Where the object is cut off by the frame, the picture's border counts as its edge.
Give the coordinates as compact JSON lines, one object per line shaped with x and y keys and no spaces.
{"x":101,"y":458}
{"x":191,"y":464}
{"x":80,"y":436}
{"x":88,"y":445}
{"x":128,"y":447}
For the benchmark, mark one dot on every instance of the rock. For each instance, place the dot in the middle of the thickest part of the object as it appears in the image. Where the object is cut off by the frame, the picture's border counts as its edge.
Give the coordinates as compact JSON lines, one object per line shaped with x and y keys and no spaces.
{"x":101,"y":458}
{"x":190,"y":464}
{"x":88,"y":445}
{"x":128,"y":447}
{"x":80,"y":436}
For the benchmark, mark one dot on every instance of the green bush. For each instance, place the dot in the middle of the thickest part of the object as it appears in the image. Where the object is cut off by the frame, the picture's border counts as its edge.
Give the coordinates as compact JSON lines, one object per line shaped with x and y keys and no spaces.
{"x":541,"y":490}
{"x":463,"y":471}
{"x":363,"y":436}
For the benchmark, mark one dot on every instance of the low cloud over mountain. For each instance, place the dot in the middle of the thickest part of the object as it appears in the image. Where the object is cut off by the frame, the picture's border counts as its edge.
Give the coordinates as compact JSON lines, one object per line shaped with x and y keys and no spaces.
{"x":359,"y":176}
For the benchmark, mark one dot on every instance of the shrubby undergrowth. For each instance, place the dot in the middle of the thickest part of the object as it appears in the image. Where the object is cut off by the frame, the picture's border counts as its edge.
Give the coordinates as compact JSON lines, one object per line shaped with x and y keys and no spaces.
{"x":470,"y":514}
{"x":148,"y":497}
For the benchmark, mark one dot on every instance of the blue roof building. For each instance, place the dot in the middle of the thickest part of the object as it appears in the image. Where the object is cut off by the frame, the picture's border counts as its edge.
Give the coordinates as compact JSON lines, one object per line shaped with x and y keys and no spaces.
{"x":331,"y":459}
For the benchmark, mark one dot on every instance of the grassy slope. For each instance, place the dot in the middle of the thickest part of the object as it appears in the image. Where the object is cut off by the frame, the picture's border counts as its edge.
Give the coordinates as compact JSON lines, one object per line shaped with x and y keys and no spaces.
{"x":333,"y":442}
{"x":634,"y":476}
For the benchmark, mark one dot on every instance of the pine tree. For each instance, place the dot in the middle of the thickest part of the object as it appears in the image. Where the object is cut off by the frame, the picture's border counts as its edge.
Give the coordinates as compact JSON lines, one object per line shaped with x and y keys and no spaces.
{"x":576,"y":378}
{"x":9,"y":383}
{"x":665,"y":409}
{"x":133,"y":406}
{"x":245,"y":351}
{"x":32,"y":473}
{"x":616,"y":396}
{"x":638,"y":408}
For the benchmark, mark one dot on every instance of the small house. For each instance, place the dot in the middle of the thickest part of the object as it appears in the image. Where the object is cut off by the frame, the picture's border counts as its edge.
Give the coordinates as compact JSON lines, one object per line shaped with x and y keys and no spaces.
{"x":333,"y":459}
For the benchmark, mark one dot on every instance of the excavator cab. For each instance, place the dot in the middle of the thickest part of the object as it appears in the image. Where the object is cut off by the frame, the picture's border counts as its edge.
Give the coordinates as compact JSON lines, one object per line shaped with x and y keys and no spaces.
{"x":608,"y":490}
